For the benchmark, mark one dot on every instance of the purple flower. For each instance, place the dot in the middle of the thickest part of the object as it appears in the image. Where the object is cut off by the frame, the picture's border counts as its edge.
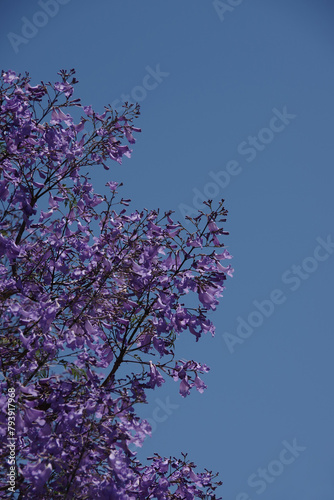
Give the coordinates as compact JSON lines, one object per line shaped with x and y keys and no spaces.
{"x":199,"y":384}
{"x":184,"y":387}
{"x":155,"y":378}
{"x":10,"y":76}
{"x":213,"y":227}
{"x":64,"y":87}
{"x":38,"y":474}
{"x":88,"y":110}
{"x":58,"y":116}
{"x":112,"y":185}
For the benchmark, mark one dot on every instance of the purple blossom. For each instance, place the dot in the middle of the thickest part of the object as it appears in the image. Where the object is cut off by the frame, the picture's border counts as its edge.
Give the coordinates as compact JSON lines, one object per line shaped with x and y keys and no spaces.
{"x":9,"y":77}
{"x":112,"y":185}
{"x":155,"y":378}
{"x":64,"y":87}
{"x":88,"y":110}
{"x":58,"y":116}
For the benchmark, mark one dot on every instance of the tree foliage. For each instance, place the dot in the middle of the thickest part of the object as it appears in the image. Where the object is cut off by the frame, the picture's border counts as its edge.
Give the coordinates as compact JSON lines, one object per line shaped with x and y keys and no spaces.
{"x":86,"y":287}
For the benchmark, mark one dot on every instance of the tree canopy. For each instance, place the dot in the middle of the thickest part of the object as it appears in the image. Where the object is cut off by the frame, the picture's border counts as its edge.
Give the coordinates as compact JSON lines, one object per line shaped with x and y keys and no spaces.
{"x":88,"y":287}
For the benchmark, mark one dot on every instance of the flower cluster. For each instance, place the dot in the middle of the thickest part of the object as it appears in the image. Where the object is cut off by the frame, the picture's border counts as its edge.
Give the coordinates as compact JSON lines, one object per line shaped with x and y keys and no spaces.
{"x":86,"y":288}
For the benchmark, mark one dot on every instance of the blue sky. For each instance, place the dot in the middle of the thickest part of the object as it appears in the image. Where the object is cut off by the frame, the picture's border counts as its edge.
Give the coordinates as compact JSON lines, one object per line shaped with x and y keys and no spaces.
{"x":236,"y":103}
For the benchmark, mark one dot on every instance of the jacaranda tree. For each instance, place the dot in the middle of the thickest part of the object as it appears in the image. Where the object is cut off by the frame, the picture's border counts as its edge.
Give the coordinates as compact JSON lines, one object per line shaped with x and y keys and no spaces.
{"x":92,"y":300}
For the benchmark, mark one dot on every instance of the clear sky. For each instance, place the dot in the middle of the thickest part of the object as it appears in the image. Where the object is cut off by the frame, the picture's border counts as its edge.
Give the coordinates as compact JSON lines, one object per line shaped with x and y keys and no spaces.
{"x":237,"y":103}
